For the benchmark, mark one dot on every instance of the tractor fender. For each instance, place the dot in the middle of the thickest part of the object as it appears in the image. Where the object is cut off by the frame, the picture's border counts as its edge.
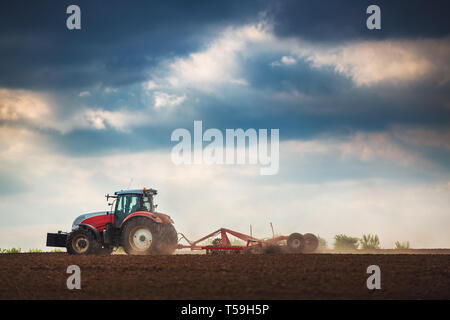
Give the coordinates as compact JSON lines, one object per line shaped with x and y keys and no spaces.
{"x":89,"y":227}
{"x":158,"y":218}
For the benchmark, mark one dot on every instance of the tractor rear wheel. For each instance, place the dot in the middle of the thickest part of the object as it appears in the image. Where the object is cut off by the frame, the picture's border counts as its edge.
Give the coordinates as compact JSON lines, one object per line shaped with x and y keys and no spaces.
{"x":139,"y":236}
{"x":82,"y":241}
{"x":311,"y":242}
{"x":167,"y":240}
{"x":296,"y":243}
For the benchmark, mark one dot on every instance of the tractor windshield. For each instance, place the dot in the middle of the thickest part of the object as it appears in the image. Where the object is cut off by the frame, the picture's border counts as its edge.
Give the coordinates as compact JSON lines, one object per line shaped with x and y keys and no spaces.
{"x":126,"y":204}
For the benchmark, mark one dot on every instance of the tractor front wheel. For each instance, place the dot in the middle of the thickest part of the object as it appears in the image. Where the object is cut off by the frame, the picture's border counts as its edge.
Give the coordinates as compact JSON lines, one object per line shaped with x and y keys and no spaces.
{"x":82,"y":241}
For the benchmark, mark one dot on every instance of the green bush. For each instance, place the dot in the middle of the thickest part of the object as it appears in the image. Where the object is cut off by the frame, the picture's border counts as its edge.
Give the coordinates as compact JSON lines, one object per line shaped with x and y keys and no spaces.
{"x":56,"y":250}
{"x":343,"y":242}
{"x":401,"y":245}
{"x":34,"y":251}
{"x":12,"y":250}
{"x":370,"y":242}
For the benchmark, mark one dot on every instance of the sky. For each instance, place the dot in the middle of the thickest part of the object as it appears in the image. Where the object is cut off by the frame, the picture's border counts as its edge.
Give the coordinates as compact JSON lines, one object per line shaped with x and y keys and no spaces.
{"x":363,"y":115}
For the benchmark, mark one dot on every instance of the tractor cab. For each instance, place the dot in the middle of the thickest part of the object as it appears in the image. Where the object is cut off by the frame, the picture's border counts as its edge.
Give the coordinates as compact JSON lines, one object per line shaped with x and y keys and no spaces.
{"x":129,"y":201}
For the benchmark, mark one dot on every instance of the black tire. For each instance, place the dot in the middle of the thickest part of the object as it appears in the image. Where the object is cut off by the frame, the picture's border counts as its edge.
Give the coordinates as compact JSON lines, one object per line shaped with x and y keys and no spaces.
{"x":296,"y":243}
{"x":167,"y":240}
{"x":140,"y":236}
{"x":81,"y":242}
{"x":311,"y":243}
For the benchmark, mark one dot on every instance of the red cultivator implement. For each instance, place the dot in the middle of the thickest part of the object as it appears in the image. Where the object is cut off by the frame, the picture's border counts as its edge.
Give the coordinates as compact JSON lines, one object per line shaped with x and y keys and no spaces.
{"x":296,"y":243}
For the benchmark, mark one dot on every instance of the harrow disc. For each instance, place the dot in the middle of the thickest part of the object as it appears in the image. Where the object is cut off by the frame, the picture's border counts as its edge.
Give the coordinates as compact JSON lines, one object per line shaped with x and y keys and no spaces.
{"x":311,"y":243}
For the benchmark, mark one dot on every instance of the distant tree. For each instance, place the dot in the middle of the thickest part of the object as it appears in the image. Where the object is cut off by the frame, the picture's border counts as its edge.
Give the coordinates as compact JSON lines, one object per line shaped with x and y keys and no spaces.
{"x":370,"y":242}
{"x":343,"y":242}
{"x":401,"y":245}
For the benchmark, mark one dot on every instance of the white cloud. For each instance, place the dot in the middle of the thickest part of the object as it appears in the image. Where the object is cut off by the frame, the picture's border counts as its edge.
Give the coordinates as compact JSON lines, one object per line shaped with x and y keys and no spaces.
{"x":150,"y":85}
{"x":217,"y":64}
{"x":85,"y":94}
{"x":37,"y":110}
{"x":285,"y":60}
{"x":163,"y":99}
{"x":367,"y":147}
{"x":367,"y":63}
{"x":122,"y":120}
{"x":288,"y":60}
{"x":111,"y":90}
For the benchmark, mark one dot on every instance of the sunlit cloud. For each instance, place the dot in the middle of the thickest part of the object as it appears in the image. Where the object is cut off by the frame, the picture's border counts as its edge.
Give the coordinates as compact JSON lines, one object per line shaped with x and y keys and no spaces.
{"x":218,"y":64}
{"x":372,"y":62}
{"x":23,"y":105}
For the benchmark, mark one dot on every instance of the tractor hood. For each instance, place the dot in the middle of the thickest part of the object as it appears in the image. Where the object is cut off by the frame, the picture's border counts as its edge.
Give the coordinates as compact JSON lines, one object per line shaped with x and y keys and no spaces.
{"x":85,"y":216}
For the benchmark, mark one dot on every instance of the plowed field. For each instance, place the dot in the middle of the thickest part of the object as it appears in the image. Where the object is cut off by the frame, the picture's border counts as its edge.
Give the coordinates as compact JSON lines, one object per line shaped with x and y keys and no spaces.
{"x":270,"y":276}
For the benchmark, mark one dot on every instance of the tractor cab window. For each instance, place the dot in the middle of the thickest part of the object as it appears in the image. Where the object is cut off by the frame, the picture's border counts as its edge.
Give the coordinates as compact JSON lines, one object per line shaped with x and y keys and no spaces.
{"x":147,"y":203}
{"x":126,"y":204}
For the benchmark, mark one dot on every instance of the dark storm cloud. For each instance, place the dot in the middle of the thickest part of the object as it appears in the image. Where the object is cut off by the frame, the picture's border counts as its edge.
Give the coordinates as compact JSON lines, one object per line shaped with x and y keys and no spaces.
{"x":120,"y":40}
{"x":303,"y":101}
{"x":319,"y":100}
{"x":117,"y":42}
{"x":346,"y":20}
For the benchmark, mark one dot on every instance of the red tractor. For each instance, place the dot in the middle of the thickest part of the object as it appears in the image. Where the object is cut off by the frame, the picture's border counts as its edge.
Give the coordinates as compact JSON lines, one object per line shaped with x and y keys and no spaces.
{"x":134,"y":225}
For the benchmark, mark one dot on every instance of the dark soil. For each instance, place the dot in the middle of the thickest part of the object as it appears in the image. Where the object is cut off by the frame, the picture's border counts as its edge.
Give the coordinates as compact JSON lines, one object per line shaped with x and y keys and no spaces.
{"x":268,"y":276}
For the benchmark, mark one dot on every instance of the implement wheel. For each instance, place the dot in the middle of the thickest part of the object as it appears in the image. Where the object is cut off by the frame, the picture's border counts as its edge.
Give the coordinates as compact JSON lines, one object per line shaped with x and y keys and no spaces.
{"x":311,"y":243}
{"x":296,"y":243}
